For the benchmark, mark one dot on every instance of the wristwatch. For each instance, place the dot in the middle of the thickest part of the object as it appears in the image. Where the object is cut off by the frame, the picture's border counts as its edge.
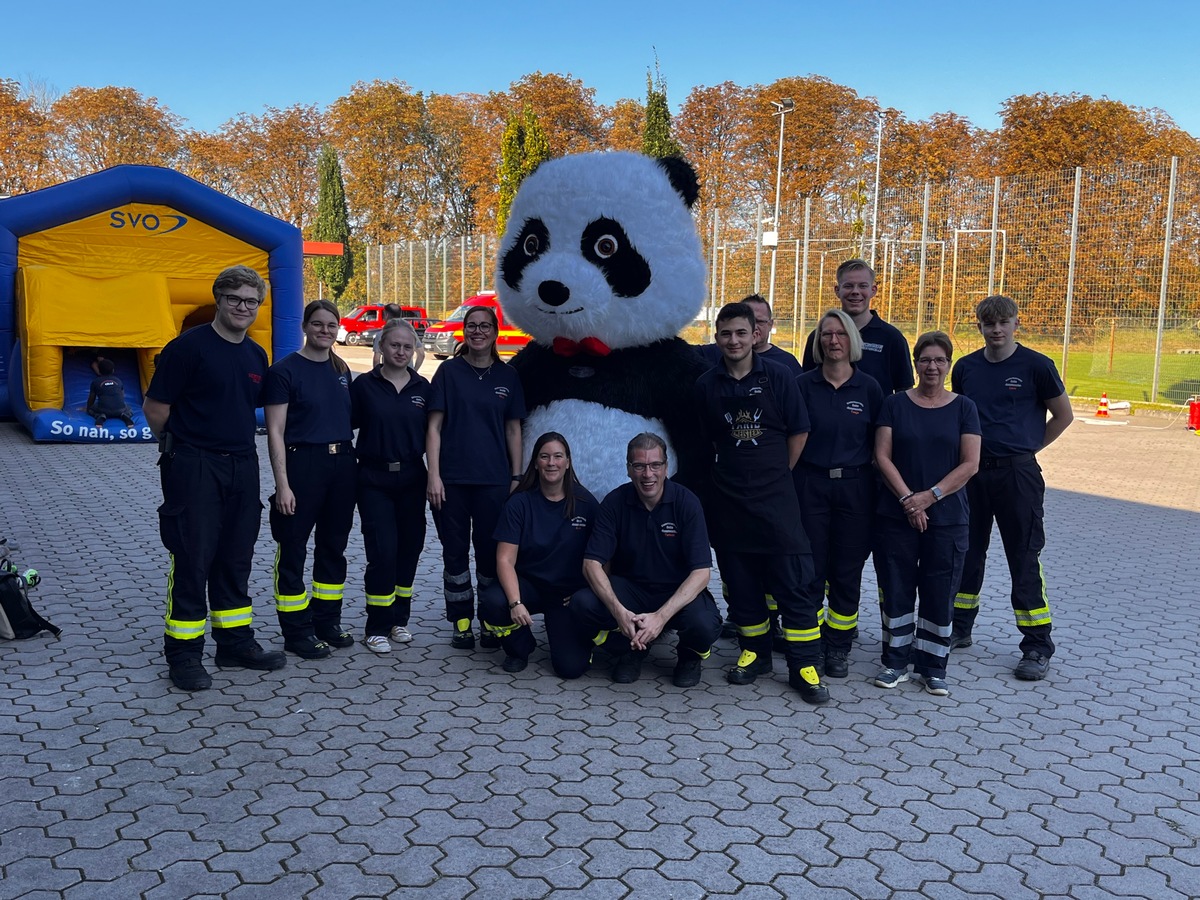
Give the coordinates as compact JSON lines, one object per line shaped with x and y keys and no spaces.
{"x":937,"y":493}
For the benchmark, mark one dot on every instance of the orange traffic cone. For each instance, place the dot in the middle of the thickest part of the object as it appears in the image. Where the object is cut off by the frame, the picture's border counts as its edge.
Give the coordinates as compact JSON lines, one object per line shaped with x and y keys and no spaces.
{"x":1102,"y":409}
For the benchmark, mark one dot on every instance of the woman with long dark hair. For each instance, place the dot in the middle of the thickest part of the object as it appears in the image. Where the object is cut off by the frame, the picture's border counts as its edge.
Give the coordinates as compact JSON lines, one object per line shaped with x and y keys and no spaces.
{"x":306,"y":403}
{"x":473,"y":445}
{"x":389,"y":411}
{"x":540,"y":539}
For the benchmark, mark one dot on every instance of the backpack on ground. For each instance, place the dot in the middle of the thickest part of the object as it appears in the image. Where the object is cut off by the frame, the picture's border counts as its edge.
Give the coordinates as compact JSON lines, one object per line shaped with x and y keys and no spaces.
{"x":18,"y":619}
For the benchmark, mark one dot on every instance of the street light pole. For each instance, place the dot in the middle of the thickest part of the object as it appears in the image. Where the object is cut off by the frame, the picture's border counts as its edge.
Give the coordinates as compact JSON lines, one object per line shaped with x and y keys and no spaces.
{"x":782,"y":108}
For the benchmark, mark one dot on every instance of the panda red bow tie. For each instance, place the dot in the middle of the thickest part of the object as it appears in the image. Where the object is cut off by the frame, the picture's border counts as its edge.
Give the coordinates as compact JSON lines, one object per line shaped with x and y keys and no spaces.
{"x":591,"y":346}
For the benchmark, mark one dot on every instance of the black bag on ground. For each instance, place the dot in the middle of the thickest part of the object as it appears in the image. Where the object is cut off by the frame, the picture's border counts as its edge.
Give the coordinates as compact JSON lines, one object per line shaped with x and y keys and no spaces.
{"x":18,"y":619}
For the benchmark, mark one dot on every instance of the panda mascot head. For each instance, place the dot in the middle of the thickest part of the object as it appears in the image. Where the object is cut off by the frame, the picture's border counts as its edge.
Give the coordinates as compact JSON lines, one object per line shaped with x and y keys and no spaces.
{"x":602,"y":266}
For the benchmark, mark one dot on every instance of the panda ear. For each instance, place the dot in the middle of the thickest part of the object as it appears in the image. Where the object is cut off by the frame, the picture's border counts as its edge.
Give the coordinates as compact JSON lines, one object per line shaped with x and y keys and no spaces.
{"x":682,"y":177}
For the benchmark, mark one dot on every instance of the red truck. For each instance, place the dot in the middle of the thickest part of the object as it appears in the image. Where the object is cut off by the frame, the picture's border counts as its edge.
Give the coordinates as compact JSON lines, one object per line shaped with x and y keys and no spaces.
{"x":359,"y":326}
{"x":442,"y":338}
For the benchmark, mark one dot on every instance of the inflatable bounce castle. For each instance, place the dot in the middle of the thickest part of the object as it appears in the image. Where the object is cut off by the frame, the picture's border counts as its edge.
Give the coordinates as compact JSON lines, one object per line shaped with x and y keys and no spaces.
{"x":117,"y":264}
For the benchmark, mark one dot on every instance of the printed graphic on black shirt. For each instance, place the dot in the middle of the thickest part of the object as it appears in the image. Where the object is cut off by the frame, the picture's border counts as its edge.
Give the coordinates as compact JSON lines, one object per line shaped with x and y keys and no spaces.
{"x":744,"y":426}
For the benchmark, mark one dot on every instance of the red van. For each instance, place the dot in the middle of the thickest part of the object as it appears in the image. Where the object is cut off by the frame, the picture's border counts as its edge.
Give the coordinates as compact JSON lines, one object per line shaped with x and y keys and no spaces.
{"x":441,"y":338}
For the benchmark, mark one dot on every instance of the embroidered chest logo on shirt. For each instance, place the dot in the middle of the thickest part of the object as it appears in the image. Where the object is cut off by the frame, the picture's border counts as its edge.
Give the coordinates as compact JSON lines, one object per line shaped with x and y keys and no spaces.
{"x":668,"y":529}
{"x":501,"y":391}
{"x":855,"y":407}
{"x":874,"y":348}
{"x":344,"y":381}
{"x":1013,"y":383}
{"x":255,"y":377}
{"x":744,"y":426}
{"x":754,"y":390}
{"x":418,"y":401}
{"x":579,"y":523}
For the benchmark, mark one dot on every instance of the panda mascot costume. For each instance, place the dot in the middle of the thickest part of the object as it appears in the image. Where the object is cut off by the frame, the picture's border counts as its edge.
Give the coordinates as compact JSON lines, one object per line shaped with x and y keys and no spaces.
{"x":602,"y":266}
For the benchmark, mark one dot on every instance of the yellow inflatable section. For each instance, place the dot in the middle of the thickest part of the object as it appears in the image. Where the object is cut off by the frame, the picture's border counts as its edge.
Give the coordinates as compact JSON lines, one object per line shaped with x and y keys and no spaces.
{"x":132,"y":311}
{"x":74,"y":288}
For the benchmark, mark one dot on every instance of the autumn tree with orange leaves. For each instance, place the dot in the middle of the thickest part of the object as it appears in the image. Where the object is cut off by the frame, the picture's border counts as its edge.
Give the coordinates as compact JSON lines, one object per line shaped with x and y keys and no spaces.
{"x":96,"y":128}
{"x":24,"y":141}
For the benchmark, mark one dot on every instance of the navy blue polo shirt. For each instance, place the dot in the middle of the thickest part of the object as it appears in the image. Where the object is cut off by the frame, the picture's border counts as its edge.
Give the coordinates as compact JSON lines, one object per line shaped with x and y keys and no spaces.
{"x":843,"y":419}
{"x":477,"y":403}
{"x":886,"y":355}
{"x":390,"y":423}
{"x":549,"y":544}
{"x":213,"y":387}
{"x":1011,"y":396}
{"x":108,"y":392}
{"x":656,"y":549}
{"x":712,"y":355}
{"x":317,"y":398}
{"x":925,"y":448}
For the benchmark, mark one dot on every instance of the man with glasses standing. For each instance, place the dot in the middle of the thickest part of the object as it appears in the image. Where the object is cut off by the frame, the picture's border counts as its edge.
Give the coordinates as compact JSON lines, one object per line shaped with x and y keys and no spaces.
{"x":647,"y":565}
{"x":202,"y":401}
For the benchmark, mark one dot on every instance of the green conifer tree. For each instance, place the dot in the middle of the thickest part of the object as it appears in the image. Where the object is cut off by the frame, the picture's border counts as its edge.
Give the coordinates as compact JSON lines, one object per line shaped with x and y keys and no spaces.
{"x":333,"y":223}
{"x":522,"y":149}
{"x":656,"y":136}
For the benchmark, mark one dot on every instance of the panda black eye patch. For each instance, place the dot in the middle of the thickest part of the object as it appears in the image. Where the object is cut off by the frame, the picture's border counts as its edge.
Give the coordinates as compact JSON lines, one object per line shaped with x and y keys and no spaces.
{"x":605,"y":245}
{"x":532,"y":242}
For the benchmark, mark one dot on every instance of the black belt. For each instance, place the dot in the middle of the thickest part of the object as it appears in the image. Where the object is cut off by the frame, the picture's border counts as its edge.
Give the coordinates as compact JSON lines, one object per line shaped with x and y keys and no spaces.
{"x":384,"y":466}
{"x":1006,"y":462}
{"x":842,"y":472}
{"x":333,"y":449}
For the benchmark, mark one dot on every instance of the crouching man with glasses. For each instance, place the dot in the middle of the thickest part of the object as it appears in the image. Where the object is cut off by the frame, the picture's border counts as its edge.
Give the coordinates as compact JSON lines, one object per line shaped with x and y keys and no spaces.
{"x":201,"y":401}
{"x":647,"y":566}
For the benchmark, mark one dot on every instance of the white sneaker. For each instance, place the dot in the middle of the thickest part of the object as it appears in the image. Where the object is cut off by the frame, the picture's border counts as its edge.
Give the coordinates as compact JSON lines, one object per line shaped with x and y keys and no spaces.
{"x":377,"y":643}
{"x":401,"y":634}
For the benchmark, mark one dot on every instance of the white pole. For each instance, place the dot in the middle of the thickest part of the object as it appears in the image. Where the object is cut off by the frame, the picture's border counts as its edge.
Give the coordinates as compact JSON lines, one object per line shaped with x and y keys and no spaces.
{"x":875,"y":204}
{"x":782,"y":108}
{"x":1071,"y":272}
{"x":1166,"y":275}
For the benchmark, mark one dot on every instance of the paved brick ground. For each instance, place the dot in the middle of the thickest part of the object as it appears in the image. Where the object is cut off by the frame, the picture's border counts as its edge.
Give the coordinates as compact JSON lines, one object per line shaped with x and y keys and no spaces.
{"x":432,"y":772}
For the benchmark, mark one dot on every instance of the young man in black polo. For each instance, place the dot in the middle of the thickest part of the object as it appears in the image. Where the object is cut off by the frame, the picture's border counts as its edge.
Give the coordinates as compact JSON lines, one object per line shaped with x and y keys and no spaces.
{"x":886,"y":356}
{"x":206,"y":387}
{"x":647,"y":566}
{"x":753,"y":414}
{"x":764,"y":324}
{"x":1014,"y":388}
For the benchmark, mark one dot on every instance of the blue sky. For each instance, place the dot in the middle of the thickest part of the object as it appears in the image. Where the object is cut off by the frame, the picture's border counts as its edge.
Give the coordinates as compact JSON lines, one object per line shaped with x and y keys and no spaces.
{"x":210,"y":60}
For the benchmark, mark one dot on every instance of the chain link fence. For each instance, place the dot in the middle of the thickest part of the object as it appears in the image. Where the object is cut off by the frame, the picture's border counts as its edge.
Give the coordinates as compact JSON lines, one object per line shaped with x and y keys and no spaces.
{"x":1104,"y":263}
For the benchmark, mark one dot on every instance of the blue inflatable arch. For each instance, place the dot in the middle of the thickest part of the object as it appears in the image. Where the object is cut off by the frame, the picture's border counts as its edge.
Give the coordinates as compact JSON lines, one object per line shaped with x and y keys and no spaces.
{"x":103,"y":210}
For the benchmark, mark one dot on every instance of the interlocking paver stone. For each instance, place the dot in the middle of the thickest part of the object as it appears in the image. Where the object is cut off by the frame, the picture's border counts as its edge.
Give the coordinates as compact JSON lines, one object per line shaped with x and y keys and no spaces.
{"x":431,"y":773}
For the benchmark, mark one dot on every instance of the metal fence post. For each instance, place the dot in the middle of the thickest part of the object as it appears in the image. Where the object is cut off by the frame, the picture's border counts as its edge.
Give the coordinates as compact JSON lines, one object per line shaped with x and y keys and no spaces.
{"x":804,"y":281}
{"x":758,"y":247}
{"x":1071,"y":271}
{"x":924,"y":242}
{"x":712,"y":301}
{"x":995,"y":223}
{"x":1166,"y":274}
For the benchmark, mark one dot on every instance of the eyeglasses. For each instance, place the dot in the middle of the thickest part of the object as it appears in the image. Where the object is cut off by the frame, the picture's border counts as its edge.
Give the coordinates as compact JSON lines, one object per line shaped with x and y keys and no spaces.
{"x":243,"y":302}
{"x":478,"y":326}
{"x":938,"y":361}
{"x":652,"y":466}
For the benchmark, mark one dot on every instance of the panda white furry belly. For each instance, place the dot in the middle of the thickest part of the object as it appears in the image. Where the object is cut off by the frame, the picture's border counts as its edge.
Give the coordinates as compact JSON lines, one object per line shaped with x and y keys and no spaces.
{"x":597,"y":435}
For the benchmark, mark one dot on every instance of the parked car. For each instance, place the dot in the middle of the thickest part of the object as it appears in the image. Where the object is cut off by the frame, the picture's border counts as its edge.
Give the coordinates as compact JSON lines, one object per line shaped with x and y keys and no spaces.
{"x":360,"y":325}
{"x":442,"y":338}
